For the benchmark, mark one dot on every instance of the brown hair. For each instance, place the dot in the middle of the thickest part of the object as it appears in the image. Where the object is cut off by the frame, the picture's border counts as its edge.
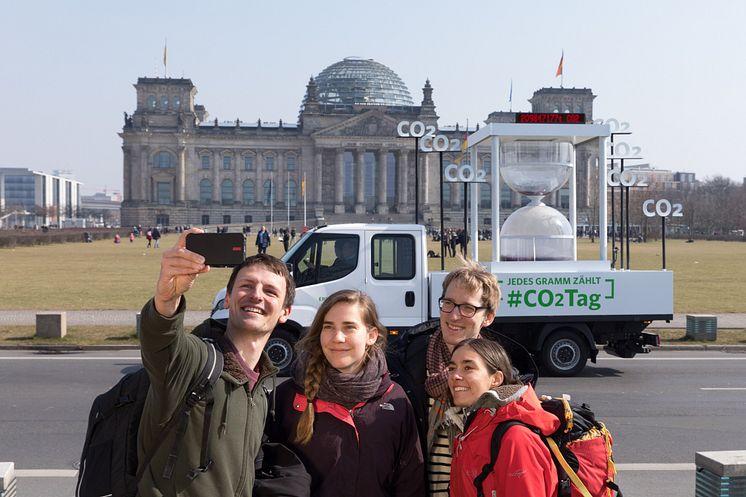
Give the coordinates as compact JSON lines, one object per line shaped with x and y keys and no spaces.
{"x":494,"y":356}
{"x":310,"y":346}
{"x":272,"y":264}
{"x":473,"y":276}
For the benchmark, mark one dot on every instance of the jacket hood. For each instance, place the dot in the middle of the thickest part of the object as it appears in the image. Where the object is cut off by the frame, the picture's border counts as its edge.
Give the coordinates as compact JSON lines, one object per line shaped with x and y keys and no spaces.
{"x":519,"y":403}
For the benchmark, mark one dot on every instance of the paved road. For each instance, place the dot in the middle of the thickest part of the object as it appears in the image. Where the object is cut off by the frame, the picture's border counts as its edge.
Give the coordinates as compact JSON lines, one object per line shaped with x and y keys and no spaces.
{"x":661,"y":409}
{"x":123,"y":318}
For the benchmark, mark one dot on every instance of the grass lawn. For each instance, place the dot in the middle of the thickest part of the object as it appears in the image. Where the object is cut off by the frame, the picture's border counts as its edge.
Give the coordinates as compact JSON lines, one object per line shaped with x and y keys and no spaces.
{"x":709,"y":277}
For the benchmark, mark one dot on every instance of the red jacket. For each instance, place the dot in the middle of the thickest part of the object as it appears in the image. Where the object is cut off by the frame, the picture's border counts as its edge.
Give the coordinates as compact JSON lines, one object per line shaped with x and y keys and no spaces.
{"x":524,"y":464}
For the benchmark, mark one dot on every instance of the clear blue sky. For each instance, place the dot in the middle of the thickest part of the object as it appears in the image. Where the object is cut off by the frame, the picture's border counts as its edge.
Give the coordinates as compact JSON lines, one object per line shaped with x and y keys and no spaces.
{"x":675,"y":70}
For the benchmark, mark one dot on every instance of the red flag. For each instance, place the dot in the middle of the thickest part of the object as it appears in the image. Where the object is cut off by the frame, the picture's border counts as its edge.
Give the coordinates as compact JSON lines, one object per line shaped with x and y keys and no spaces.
{"x":559,"y":67}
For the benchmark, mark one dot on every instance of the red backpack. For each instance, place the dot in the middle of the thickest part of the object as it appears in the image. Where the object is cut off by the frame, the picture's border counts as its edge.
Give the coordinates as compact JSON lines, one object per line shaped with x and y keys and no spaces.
{"x":580,"y":448}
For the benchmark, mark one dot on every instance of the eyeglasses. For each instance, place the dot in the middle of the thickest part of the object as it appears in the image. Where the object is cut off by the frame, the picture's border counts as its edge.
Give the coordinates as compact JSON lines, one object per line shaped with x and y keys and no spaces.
{"x":466,"y":310}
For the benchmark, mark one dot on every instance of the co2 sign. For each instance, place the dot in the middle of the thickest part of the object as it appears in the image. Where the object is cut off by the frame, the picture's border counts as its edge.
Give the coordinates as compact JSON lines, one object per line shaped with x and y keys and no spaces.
{"x":663,"y":208}
{"x":414,"y":129}
{"x":464,"y":173}
{"x":616,"y":177}
{"x":430,"y":141}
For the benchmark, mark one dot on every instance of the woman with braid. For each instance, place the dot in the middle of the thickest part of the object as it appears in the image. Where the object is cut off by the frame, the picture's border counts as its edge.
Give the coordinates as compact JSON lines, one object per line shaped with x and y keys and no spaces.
{"x":352,"y":426}
{"x":420,"y":363}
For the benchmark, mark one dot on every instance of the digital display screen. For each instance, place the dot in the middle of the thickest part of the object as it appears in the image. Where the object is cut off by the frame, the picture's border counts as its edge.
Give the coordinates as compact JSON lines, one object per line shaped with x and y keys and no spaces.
{"x":549,"y":118}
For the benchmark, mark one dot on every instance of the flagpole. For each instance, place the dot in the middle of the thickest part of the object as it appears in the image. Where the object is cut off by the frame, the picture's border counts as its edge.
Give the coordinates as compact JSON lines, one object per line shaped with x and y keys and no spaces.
{"x":510,"y":98}
{"x":304,"y":199}
{"x":287,"y":202}
{"x":271,"y":203}
{"x":165,"y":59}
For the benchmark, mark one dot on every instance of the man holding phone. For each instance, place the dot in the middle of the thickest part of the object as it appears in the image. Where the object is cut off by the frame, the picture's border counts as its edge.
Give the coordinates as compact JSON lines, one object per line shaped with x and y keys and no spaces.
{"x":259,"y":295}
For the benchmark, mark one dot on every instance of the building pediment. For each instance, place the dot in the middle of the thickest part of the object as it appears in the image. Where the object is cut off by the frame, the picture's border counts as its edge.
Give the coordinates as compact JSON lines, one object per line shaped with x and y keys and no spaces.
{"x":370,"y":123}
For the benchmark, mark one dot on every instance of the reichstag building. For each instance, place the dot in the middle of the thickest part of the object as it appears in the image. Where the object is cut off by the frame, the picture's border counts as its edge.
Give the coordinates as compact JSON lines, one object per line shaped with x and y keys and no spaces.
{"x":342,"y":161}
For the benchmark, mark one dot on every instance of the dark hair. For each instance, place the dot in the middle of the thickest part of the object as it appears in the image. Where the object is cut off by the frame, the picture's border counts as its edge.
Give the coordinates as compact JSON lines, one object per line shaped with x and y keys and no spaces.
{"x":473,"y":276}
{"x":494,"y":356}
{"x":310,"y":345}
{"x":272,"y":264}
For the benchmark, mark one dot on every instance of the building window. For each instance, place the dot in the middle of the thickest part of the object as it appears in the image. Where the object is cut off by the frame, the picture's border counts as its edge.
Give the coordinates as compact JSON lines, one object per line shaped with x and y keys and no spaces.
{"x":226,"y":192}
{"x":248,"y":192}
{"x":291,"y":163}
{"x":291,"y":193}
{"x":205,"y":162}
{"x":176,"y":103}
{"x":485,"y":195}
{"x":268,"y":193}
{"x":269,"y":163}
{"x":164,"y":160}
{"x":446,"y":193}
{"x":163,"y":192}
{"x":205,"y":219}
{"x":161,"y":220}
{"x":152,"y":102}
{"x":248,"y":163}
{"x":227,"y":162}
{"x":247,"y":218}
{"x":226,"y":219}
{"x":205,"y":191}
{"x":164,"y":103}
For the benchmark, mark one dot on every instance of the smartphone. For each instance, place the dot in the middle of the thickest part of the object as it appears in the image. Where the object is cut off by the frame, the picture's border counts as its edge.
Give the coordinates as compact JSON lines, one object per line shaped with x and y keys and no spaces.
{"x":218,"y":249}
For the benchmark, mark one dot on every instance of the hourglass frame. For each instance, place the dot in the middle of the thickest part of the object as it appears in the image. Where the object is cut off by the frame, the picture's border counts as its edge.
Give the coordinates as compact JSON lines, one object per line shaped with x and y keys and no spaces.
{"x":493,"y":135}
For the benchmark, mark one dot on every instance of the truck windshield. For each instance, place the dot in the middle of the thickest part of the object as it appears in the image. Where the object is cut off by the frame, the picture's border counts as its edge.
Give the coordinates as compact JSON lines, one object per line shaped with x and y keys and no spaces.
{"x":289,"y":254}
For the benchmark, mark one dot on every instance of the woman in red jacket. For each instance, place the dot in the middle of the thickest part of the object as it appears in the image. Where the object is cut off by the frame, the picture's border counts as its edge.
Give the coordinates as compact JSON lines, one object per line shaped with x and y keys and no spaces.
{"x":352,"y":426}
{"x":480,"y":378}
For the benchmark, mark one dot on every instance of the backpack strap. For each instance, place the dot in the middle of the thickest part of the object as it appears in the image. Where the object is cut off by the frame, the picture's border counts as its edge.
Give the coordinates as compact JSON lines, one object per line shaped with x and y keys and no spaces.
{"x":200,"y":389}
{"x":497,"y":436}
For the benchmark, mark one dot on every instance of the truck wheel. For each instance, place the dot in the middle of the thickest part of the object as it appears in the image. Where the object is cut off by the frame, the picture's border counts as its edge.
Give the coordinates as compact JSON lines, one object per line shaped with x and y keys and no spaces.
{"x":280,"y":350}
{"x":564,"y":353}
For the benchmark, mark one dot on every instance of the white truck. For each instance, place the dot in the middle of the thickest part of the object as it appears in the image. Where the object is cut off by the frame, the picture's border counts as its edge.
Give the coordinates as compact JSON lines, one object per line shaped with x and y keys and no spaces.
{"x":558,"y":307}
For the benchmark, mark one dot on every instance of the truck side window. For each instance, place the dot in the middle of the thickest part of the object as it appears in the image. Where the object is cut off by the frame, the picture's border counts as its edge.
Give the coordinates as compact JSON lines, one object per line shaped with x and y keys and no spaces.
{"x":338,"y":257}
{"x":326,"y":259}
{"x":393,"y":257}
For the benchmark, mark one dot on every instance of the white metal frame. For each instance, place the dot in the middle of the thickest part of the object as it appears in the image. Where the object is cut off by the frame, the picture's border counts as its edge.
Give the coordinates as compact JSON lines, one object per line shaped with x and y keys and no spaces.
{"x":576,"y":134}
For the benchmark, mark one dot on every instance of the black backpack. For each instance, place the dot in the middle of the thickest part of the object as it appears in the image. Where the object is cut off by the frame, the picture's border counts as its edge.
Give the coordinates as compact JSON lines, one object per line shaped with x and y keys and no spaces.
{"x":108,"y":465}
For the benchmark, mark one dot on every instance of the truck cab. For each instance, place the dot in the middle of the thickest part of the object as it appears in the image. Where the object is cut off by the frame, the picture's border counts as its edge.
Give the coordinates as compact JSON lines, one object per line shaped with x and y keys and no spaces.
{"x":388,"y":262}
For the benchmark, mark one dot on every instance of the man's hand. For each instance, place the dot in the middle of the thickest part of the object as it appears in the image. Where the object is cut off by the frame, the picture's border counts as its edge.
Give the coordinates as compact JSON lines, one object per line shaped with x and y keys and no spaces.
{"x":179,"y":269}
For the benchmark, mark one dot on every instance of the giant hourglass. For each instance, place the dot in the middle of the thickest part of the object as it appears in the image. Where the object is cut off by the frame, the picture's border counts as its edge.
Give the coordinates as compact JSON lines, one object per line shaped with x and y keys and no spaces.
{"x":536,"y":232}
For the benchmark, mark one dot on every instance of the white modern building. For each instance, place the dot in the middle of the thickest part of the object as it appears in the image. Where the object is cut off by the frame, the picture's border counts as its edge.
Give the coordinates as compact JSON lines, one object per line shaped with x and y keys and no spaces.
{"x":29,"y":198}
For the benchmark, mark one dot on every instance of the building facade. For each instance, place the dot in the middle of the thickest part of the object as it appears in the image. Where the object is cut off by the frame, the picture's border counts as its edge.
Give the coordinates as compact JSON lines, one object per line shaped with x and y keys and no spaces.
{"x":342,"y":161}
{"x":29,"y":198}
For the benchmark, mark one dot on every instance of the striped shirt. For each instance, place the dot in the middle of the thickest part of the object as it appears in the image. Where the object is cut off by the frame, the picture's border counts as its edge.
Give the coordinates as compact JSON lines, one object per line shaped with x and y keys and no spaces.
{"x":439,"y":463}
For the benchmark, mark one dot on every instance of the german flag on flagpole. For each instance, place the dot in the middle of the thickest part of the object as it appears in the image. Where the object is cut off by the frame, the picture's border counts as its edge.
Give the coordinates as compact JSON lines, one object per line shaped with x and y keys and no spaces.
{"x":165,"y":60}
{"x":560,"y":68}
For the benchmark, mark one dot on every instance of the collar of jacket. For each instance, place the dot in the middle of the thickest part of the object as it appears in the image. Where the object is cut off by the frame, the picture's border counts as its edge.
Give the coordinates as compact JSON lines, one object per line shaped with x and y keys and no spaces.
{"x":300,"y":402}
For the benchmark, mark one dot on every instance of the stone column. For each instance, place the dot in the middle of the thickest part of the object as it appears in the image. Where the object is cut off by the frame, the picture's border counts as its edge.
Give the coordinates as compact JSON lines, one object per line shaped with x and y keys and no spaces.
{"x":381,"y":205}
{"x":457,"y":193}
{"x":216,"y":177}
{"x":316,"y":180}
{"x":282,"y":175}
{"x":339,"y":206}
{"x":129,"y":174}
{"x":237,"y":186}
{"x":180,"y":175}
{"x":359,"y":181}
{"x":401,"y":184}
{"x":144,"y":180}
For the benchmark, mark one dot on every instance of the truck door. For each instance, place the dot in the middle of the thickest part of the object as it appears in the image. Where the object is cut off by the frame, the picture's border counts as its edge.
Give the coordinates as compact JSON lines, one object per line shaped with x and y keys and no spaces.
{"x":393,"y":279}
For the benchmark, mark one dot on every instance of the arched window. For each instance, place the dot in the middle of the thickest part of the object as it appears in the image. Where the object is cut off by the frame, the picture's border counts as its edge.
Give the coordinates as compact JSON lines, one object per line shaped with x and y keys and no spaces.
{"x":291,"y":191}
{"x":164,"y":102}
{"x":248,"y":192}
{"x":290,"y":162}
{"x":176,"y":103}
{"x":152,"y":102}
{"x":205,"y":191}
{"x":269,"y":196}
{"x":226,"y":192}
{"x":164,"y":160}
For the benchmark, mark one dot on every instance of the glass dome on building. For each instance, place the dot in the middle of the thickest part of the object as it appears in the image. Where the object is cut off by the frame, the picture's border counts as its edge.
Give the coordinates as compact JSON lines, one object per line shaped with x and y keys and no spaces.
{"x":355,"y":80}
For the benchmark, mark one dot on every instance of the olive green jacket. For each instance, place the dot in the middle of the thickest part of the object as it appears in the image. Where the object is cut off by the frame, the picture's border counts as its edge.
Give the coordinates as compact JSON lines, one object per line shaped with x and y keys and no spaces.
{"x":173,"y":360}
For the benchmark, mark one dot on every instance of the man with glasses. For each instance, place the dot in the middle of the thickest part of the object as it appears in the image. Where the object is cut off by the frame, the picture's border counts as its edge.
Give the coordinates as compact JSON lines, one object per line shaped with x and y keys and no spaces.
{"x":468,"y":304}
